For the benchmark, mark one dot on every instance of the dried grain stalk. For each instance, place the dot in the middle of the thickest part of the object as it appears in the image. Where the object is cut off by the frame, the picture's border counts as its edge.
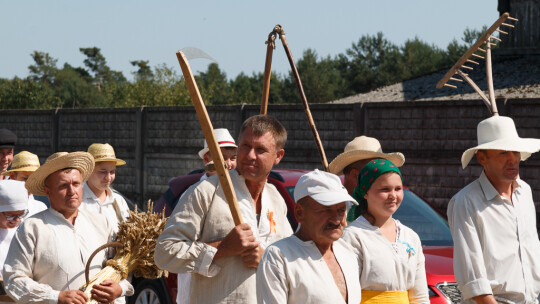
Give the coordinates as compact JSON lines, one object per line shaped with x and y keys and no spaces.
{"x":138,"y":235}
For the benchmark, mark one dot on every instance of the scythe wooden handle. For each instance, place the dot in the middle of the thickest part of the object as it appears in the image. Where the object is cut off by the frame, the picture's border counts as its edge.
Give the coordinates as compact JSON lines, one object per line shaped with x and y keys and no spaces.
{"x":318,"y":141}
{"x":208,"y":131}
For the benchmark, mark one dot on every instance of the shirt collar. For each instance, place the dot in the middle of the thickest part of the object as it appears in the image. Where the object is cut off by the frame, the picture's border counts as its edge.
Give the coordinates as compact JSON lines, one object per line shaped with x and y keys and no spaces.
{"x":489,"y":191}
{"x":89,"y":194}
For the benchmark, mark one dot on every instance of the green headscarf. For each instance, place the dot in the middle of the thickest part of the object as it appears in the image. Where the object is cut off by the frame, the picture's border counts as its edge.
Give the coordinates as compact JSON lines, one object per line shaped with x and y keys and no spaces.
{"x":368,"y":175}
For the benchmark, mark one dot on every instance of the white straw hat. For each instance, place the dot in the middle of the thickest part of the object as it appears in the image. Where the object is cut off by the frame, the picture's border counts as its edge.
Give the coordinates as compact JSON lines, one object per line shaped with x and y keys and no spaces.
{"x":83,"y":161}
{"x":360,"y":148}
{"x":224,"y":139}
{"x":324,"y":187}
{"x":499,"y":133}
{"x":13,"y":196}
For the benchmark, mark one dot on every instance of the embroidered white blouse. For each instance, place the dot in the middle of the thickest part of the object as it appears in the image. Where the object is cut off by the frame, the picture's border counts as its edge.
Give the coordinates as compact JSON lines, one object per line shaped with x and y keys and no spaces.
{"x":389,"y":266}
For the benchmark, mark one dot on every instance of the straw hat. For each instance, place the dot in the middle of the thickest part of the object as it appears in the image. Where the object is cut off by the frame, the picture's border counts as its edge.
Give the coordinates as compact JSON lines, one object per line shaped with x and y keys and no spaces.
{"x":103,"y":153}
{"x":360,"y":148}
{"x":224,"y":139}
{"x":499,"y":133}
{"x":82,"y":161}
{"x":23,"y":161}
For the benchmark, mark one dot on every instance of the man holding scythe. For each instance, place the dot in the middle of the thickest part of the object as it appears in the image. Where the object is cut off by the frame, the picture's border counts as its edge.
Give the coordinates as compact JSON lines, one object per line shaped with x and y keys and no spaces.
{"x":200,"y":236}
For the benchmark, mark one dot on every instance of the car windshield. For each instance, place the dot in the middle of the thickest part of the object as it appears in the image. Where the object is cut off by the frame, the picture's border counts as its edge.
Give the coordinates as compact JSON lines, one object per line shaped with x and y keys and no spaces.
{"x":416,"y":214}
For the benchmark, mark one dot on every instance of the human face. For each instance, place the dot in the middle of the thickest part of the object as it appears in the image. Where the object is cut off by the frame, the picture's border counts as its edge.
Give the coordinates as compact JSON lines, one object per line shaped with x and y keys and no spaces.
{"x":102,"y":176}
{"x":384,"y":196}
{"x":229,"y":156}
{"x":21,"y":176}
{"x":501,"y":167}
{"x":12,"y":219}
{"x":321,"y":224}
{"x":257,"y":155}
{"x":64,"y":189}
{"x":6,"y":157}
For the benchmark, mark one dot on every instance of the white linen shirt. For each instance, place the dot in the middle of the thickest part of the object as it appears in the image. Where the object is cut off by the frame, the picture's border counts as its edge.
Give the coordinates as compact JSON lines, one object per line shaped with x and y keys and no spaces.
{"x":294,"y":271}
{"x":91,"y":202}
{"x":48,"y":255}
{"x":496,"y":247}
{"x":34,"y":206}
{"x":202,"y":216}
{"x":381,"y":267}
{"x":5,"y":240}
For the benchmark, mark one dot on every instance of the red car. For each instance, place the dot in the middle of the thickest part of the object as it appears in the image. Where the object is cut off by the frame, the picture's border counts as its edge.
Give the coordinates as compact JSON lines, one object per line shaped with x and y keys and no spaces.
{"x":414,"y":212}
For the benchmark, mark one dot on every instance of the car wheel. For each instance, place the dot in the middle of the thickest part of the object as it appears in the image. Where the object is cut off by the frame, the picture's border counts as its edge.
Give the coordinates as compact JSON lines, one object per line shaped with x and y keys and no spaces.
{"x":149,"y":292}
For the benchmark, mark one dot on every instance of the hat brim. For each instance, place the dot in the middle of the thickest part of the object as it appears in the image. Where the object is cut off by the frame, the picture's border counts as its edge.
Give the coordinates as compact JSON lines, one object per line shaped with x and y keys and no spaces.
{"x":25,"y":169}
{"x":346,"y":158}
{"x":330,"y":198}
{"x":526,"y":146}
{"x":224,"y":145}
{"x":118,"y":161}
{"x":82,"y":161}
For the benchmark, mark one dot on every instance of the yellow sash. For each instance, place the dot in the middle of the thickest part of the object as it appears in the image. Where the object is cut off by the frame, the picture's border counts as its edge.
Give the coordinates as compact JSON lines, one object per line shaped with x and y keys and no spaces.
{"x":385,"y":297}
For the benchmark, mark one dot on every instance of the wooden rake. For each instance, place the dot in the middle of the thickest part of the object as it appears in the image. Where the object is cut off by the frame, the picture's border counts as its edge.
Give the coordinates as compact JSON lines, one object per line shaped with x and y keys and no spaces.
{"x":278,"y":31}
{"x":487,"y":40}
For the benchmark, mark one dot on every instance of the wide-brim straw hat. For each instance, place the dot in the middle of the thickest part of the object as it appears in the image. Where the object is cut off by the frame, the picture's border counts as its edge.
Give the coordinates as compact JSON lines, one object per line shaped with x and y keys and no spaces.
{"x":224,"y":139}
{"x":360,"y":148}
{"x":499,"y":133}
{"x":23,"y":161}
{"x":82,"y":161}
{"x":104,"y":153}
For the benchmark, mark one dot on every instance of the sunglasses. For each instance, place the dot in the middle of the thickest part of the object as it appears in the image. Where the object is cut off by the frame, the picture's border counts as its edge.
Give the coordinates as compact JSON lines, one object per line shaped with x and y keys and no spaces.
{"x":13,"y":218}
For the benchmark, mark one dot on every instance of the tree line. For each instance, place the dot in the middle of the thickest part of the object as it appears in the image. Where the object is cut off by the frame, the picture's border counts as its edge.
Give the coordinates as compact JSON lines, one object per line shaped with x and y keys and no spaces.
{"x":371,"y":62}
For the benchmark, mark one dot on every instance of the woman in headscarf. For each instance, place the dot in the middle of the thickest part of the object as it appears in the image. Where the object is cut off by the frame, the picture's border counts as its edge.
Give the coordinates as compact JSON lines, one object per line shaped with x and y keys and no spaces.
{"x":392,"y":266}
{"x":97,"y":193}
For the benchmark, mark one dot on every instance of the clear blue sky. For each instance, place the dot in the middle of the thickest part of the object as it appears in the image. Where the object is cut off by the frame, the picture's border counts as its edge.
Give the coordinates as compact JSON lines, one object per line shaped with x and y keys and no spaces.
{"x":233,"y":32}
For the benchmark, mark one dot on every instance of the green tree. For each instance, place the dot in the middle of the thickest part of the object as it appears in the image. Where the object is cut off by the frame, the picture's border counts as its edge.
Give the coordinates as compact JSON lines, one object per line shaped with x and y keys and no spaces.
{"x":44,"y":67}
{"x":144,"y":71}
{"x":370,"y":63}
{"x":213,"y":85}
{"x":26,"y":94}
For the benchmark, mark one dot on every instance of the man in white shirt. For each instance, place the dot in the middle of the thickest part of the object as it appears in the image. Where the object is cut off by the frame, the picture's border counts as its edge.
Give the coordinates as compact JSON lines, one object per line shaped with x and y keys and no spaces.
{"x":47,"y":257}
{"x":200,"y":236}
{"x":493,"y":221}
{"x":314,"y":265}
{"x":228,"y":149}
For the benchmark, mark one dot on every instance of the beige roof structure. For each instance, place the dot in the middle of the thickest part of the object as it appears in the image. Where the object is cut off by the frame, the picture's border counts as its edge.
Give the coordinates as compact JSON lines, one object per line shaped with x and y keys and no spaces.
{"x":514,"y":77}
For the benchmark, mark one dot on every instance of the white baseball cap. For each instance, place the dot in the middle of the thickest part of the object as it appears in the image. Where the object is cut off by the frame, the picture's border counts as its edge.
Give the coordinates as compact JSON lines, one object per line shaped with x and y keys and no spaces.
{"x":323,"y":187}
{"x":224,"y":139}
{"x":13,"y":196}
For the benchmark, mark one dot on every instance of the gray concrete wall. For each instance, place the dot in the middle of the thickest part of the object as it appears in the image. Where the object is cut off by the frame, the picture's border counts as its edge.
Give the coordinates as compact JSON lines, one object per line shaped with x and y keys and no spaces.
{"x":161,"y":143}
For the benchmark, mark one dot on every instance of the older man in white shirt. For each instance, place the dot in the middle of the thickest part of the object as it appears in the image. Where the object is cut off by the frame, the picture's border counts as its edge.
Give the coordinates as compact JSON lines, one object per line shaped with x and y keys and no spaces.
{"x":47,"y":257}
{"x":200,"y":236}
{"x":314,"y":265}
{"x":493,"y":221}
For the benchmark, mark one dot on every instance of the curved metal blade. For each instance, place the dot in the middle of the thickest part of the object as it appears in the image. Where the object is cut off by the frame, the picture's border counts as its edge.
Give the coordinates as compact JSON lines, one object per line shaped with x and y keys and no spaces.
{"x":194,"y":53}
